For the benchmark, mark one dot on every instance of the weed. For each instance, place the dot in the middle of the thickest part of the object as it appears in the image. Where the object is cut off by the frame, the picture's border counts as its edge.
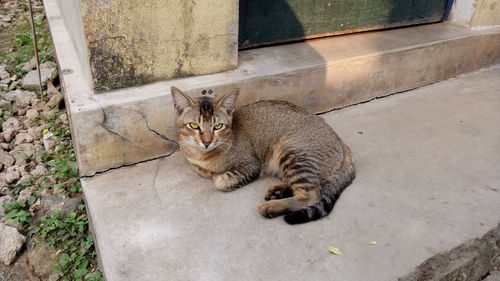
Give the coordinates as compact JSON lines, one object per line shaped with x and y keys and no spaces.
{"x":18,"y":212}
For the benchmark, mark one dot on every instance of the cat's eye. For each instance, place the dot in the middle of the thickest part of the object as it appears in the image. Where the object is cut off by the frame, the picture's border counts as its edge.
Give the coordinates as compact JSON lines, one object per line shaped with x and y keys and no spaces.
{"x":194,"y":126}
{"x":218,"y":126}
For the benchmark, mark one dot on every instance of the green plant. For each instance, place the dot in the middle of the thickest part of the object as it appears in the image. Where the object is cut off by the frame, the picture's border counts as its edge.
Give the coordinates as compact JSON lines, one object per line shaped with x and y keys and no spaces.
{"x":70,"y":235}
{"x":19,"y":213}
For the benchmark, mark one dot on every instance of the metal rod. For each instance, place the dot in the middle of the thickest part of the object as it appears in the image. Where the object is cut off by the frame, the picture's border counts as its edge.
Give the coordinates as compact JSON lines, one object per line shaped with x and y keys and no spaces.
{"x":35,"y":45}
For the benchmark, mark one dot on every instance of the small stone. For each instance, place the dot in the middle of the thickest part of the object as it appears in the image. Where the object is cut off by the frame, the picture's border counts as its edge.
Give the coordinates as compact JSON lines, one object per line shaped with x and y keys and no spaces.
{"x":11,"y":242}
{"x":19,"y":97}
{"x":32,"y":114}
{"x":53,"y":277}
{"x":25,"y":194}
{"x":6,"y":159}
{"x":49,"y":144}
{"x":36,"y":132}
{"x":12,"y":175}
{"x":38,"y":104}
{"x":4,"y":146}
{"x":29,"y":65}
{"x":64,"y":118}
{"x":43,"y":259}
{"x":4,"y":83}
{"x":5,"y":104}
{"x":23,"y":138}
{"x":39,"y":17}
{"x":3,"y":73}
{"x":39,"y":170}
{"x":9,"y":134}
{"x":11,"y":123}
{"x":30,"y":81}
{"x":4,"y":200}
{"x":21,"y":111}
{"x":55,"y":101}
{"x":57,"y":203}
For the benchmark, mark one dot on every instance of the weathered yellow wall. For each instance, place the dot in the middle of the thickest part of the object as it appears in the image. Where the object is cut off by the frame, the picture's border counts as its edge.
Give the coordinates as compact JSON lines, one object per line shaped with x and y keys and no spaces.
{"x":140,"y":41}
{"x":486,"y":13}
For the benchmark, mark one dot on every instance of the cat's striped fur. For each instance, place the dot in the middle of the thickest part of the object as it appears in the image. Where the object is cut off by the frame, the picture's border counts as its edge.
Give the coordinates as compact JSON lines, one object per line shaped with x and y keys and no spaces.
{"x":266,"y":137}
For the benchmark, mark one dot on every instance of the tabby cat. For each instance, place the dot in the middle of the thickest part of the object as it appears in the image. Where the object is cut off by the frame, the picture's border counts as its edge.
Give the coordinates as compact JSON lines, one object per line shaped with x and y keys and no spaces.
{"x":234,"y":147}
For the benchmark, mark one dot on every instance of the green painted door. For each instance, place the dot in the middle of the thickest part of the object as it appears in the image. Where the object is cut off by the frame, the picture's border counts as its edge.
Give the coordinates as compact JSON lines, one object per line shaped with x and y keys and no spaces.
{"x":264,"y":22}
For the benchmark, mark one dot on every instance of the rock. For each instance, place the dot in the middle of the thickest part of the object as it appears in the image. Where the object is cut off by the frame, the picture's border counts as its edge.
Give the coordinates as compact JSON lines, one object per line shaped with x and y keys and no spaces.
{"x":30,"y":81}
{"x":23,"y":138}
{"x":25,"y":194}
{"x":37,"y":104}
{"x":11,"y":242}
{"x":53,"y":277}
{"x":22,"y":152}
{"x":32,"y":114}
{"x":39,"y":170}
{"x":64,"y":118}
{"x":19,"y":97}
{"x":11,"y":123}
{"x":9,"y":134}
{"x":39,"y":17}
{"x":55,"y":101}
{"x":29,"y":65}
{"x":43,"y":259}
{"x":4,"y":83}
{"x":36,"y":132}
{"x":3,"y":73}
{"x":49,"y":144}
{"x":6,"y":159}
{"x":48,"y":65}
{"x":21,"y":111}
{"x":4,"y":185}
{"x":1,"y":167}
{"x":57,"y":203}
{"x":12,"y":175}
{"x":4,"y":146}
{"x":5,"y":104}
{"x":4,"y":200}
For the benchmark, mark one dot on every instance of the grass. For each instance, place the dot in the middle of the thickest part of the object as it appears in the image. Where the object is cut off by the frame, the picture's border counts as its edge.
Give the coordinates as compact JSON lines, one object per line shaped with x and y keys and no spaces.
{"x":68,"y":234}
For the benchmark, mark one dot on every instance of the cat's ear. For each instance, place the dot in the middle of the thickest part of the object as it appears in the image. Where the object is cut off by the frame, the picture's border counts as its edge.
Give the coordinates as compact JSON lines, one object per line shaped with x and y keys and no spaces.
{"x":181,"y":100}
{"x":228,"y":101}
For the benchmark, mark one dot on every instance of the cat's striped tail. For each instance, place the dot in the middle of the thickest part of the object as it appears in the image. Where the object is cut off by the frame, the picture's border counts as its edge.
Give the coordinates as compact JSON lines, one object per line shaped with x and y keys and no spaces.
{"x":330,"y":192}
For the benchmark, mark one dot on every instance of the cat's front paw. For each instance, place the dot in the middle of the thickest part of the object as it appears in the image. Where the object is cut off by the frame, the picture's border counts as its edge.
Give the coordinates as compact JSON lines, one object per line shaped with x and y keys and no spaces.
{"x":224,"y":182}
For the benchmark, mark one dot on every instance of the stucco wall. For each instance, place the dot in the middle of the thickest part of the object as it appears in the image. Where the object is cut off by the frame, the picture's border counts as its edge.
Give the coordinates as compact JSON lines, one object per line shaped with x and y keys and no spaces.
{"x":486,"y":13}
{"x":135,"y":42}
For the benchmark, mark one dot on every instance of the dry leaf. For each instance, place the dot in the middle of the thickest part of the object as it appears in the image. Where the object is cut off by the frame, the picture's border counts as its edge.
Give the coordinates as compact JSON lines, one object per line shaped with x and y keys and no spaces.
{"x":335,"y":251}
{"x":373,"y":243}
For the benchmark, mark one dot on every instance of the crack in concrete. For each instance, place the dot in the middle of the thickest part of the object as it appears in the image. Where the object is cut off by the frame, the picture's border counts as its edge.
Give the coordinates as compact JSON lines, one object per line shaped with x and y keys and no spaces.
{"x":128,"y":165}
{"x":154,"y":131}
{"x":105,"y":120}
{"x":154,"y":181}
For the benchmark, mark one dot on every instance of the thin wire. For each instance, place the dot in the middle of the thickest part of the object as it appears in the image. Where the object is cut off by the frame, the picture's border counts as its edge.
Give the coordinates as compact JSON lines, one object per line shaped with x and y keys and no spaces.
{"x":35,"y":44}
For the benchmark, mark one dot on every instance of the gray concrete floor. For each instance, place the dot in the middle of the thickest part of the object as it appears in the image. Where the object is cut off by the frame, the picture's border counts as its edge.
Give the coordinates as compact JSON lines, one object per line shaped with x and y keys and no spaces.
{"x":428,"y":178}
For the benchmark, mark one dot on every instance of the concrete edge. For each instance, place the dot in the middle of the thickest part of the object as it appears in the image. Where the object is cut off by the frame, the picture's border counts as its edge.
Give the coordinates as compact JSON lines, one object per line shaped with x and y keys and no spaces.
{"x":470,"y":261}
{"x":135,"y":124}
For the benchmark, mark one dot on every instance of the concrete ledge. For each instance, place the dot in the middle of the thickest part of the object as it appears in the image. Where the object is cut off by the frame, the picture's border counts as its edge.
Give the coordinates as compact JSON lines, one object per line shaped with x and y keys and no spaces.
{"x":470,"y":261}
{"x":135,"y":124}
{"x":427,"y":180}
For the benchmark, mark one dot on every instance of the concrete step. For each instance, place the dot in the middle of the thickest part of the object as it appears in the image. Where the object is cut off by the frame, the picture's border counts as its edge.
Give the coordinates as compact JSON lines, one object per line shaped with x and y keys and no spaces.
{"x":127,"y":126}
{"x":427,"y":180}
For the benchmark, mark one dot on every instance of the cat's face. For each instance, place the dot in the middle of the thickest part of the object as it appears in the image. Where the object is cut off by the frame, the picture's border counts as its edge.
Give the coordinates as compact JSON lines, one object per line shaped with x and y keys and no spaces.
{"x":204,"y":123}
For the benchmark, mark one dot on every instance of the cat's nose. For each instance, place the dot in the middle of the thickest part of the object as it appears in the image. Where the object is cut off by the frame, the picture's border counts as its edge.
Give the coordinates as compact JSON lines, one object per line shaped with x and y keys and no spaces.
{"x":207,"y":143}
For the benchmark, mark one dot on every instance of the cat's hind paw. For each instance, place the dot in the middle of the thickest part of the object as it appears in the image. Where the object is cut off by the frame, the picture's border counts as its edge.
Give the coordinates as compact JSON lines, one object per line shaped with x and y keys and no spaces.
{"x":278,"y":192}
